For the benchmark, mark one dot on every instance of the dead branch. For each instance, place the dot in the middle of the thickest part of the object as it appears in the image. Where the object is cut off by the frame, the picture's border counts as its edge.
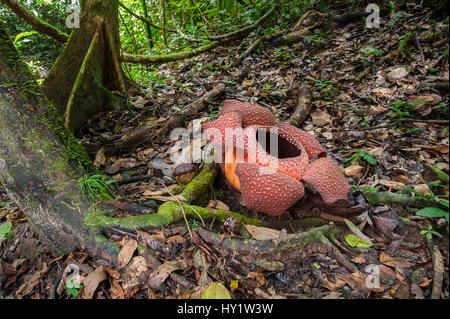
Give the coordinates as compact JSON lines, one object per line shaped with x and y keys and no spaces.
{"x":303,"y":107}
{"x":438,"y":267}
{"x":245,"y":247}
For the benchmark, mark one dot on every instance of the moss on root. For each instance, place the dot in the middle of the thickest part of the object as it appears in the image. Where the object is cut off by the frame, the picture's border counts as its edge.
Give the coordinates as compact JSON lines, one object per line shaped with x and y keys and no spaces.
{"x":168,"y":213}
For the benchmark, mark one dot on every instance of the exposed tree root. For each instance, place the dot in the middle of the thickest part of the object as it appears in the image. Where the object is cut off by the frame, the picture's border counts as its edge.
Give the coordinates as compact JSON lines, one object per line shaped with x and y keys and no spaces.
{"x":381,"y":198}
{"x":245,"y":247}
{"x":168,"y":213}
{"x":443,"y":176}
{"x":157,"y":131}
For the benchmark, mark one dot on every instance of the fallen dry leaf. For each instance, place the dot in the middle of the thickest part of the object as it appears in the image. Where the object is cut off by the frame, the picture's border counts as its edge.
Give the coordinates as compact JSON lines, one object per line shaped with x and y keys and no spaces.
{"x":320,"y":117}
{"x":92,"y":281}
{"x":392,"y":262}
{"x":262,"y":233}
{"x":353,"y":170}
{"x":157,"y":277}
{"x":126,"y":253}
{"x":100,"y":157}
{"x":395,"y":185}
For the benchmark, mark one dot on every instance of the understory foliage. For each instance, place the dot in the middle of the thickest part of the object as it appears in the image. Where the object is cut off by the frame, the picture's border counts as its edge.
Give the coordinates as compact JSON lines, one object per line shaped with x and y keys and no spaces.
{"x":150,"y":26}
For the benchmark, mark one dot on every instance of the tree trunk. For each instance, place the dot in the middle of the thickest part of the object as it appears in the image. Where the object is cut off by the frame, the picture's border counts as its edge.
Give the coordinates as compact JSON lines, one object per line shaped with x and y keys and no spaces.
{"x":41,"y":161}
{"x":82,"y":81}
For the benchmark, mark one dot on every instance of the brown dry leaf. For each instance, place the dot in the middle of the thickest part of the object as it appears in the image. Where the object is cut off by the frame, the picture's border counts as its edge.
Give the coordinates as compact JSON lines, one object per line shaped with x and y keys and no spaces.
{"x":157,"y":277}
{"x":443,"y":149}
{"x":163,"y":191}
{"x":221,"y":206}
{"x":332,"y":285}
{"x":100,"y":157}
{"x":176,"y":239}
{"x":426,"y":282}
{"x":418,"y":293}
{"x":424,"y":189}
{"x":262,"y":233}
{"x":392,"y":262}
{"x":377,"y":151}
{"x":137,"y":266}
{"x":321,"y":117}
{"x":397,"y":74}
{"x":382,"y":92}
{"x":353,"y":170}
{"x":114,"y":168}
{"x":92,"y":281}
{"x":31,"y":282}
{"x":116,"y":291}
{"x":126,"y":253}
{"x":270,"y":265}
{"x":113,"y":273}
{"x":359,"y":259}
{"x":395,"y":185}
{"x":258,"y":276}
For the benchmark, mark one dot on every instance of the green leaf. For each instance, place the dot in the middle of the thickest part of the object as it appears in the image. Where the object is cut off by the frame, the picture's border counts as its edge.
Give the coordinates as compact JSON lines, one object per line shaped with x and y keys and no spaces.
{"x":368,"y":158}
{"x":432,"y":212}
{"x":23,"y":35}
{"x":216,"y":291}
{"x":5,"y":228}
{"x":354,"y":241}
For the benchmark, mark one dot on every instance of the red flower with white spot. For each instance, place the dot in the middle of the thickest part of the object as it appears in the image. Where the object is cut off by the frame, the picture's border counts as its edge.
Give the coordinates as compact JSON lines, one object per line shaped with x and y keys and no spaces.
{"x":270,"y":164}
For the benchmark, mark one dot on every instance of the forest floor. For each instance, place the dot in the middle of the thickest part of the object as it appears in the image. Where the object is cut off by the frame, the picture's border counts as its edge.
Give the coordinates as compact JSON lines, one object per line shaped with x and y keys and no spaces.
{"x":380,"y":93}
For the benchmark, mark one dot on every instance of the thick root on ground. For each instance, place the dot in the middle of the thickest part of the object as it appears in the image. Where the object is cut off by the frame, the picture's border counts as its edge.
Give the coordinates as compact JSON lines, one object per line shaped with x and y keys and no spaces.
{"x":238,"y":246}
{"x":168,"y":213}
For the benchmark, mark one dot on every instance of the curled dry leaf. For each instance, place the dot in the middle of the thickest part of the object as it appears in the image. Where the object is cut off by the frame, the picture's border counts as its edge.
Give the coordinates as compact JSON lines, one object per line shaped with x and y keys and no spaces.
{"x":395,"y":185}
{"x":126,"y":253}
{"x":100,"y":157}
{"x":262,"y":233}
{"x":92,"y":281}
{"x":162,"y":272}
{"x":320,"y":117}
{"x":137,"y":266}
{"x":353,"y":170}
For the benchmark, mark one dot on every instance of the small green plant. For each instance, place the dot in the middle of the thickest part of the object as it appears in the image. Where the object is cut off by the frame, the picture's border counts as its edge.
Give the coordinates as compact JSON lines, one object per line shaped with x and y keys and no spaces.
{"x":96,"y":186}
{"x":429,"y":233}
{"x":431,"y":197}
{"x":193,"y":224}
{"x":366,"y":190}
{"x":402,"y":109}
{"x":214,"y":114}
{"x":220,"y":193}
{"x":360,"y":157}
{"x":371,"y":52}
{"x":326,"y":88}
{"x":5,"y":229}
{"x":73,"y":288}
{"x":363,"y":121}
{"x":415,"y":130}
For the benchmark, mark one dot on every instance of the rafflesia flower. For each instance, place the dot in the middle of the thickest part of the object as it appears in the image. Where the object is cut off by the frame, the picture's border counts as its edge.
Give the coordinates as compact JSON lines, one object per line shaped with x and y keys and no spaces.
{"x":269,"y":164}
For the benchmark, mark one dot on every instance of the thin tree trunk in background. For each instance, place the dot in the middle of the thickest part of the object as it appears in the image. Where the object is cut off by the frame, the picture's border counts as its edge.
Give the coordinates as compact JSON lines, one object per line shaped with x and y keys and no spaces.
{"x":163,"y":7}
{"x":147,"y":26}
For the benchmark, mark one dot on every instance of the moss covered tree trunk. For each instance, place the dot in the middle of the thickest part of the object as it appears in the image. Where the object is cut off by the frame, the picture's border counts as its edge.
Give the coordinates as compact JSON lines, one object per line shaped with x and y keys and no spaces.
{"x":83,"y":79}
{"x":40,"y":161}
